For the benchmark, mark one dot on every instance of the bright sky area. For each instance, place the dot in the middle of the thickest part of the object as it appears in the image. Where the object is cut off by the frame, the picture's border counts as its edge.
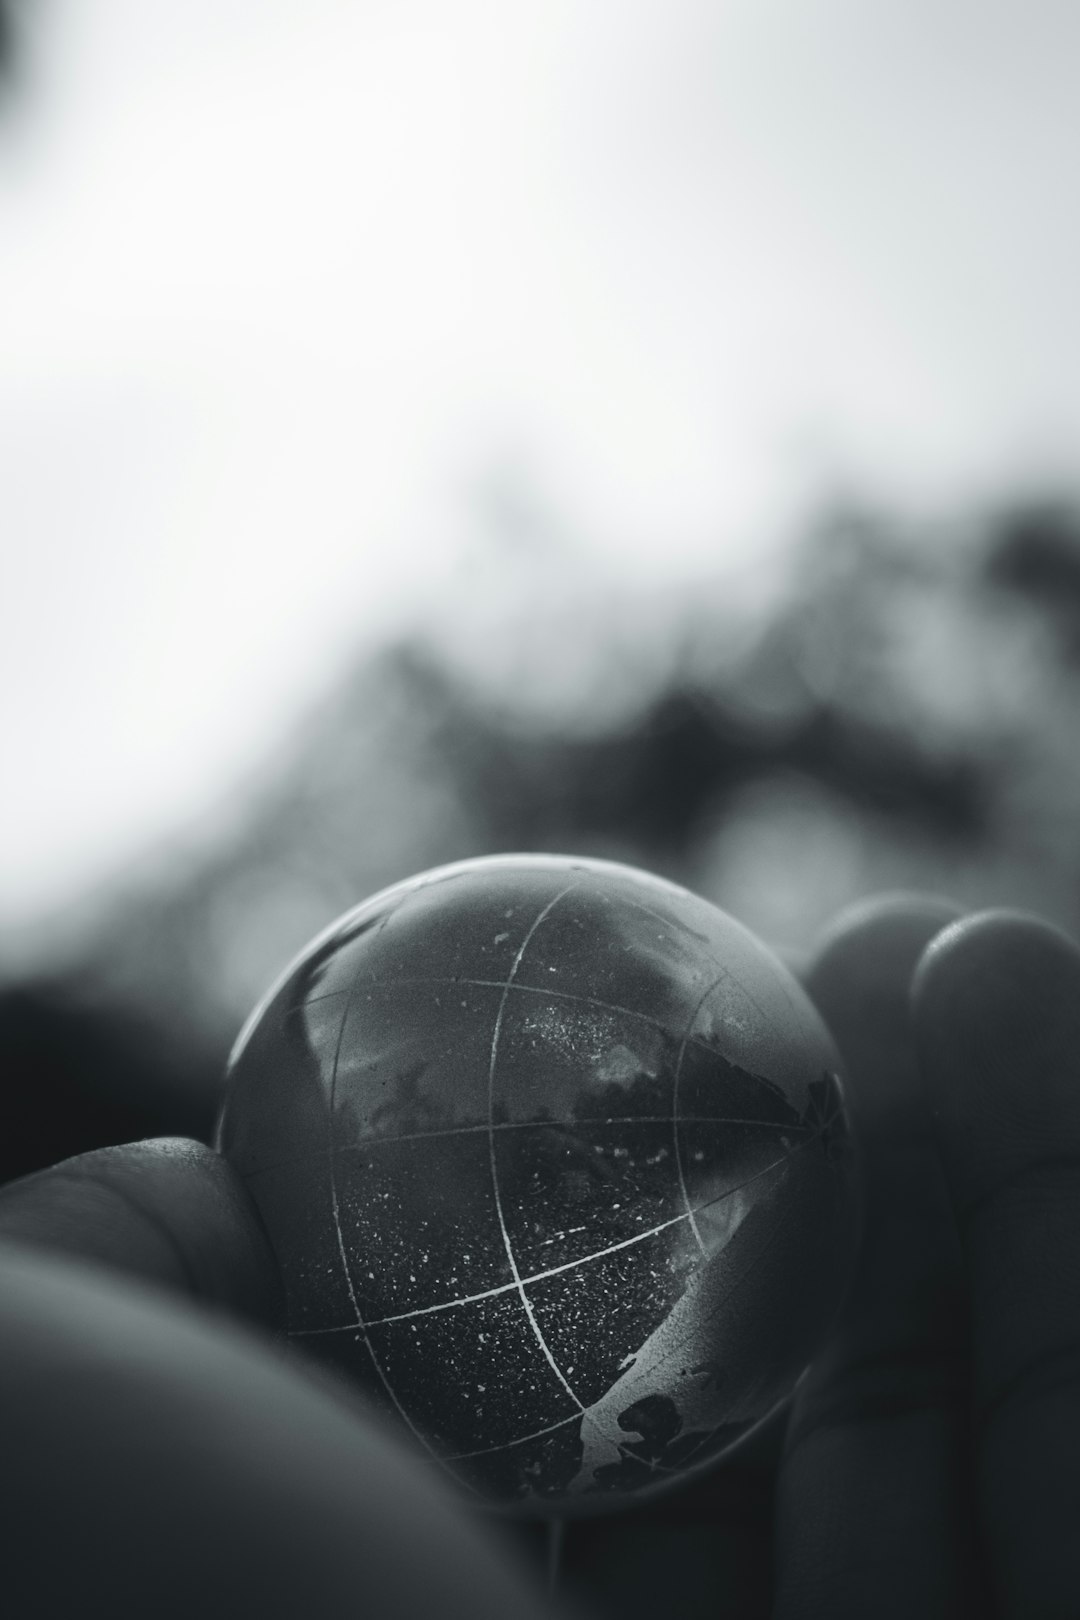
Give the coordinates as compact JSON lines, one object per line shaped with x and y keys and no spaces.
{"x":282,"y":282}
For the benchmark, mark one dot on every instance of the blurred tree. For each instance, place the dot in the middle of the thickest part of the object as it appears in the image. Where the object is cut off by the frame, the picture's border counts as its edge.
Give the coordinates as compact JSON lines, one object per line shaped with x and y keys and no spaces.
{"x":73,"y":1077}
{"x":1035,"y":551}
{"x":9,"y":39}
{"x":904,"y":714}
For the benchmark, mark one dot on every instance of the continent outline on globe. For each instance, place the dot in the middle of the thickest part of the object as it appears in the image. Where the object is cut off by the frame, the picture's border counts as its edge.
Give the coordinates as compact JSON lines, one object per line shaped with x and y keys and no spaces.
{"x":555,"y":1161}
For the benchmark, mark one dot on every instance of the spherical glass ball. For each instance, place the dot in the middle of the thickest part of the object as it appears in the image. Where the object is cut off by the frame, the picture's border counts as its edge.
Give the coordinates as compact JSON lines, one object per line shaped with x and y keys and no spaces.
{"x":553,"y":1155}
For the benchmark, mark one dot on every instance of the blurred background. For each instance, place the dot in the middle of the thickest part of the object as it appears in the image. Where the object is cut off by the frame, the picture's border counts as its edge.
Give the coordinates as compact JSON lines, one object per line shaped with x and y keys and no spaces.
{"x":648,"y":428}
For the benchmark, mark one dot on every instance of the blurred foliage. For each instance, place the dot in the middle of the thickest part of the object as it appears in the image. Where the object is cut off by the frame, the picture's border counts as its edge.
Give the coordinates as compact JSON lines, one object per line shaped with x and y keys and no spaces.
{"x":78,"y":1076}
{"x":9,"y":38}
{"x":1036,"y":552}
{"x":902,"y":711}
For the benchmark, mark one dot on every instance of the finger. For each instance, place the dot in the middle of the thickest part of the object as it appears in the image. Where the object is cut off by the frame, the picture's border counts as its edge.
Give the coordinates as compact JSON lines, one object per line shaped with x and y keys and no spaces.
{"x":157,"y":1462}
{"x":997,"y":1009}
{"x":872,"y":1489}
{"x":169,"y":1211}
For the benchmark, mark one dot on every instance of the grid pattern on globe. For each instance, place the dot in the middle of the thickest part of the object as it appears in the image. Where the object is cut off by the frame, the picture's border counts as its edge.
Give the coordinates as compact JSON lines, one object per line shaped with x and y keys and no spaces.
{"x":558,"y":1309}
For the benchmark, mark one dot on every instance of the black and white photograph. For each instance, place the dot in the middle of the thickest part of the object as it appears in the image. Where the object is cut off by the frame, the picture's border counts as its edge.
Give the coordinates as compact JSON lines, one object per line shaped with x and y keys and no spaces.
{"x":540,"y":811}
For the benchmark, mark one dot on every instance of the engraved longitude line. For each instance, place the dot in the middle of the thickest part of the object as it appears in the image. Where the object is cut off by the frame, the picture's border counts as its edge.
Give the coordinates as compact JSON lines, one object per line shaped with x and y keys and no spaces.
{"x":675,"y":1109}
{"x":360,"y":1323}
{"x":586,"y":1412}
{"x":518,"y":1280}
{"x":569,"y":1265}
{"x":534,"y":1324}
{"x":496,"y":1032}
{"x":657,"y":1467}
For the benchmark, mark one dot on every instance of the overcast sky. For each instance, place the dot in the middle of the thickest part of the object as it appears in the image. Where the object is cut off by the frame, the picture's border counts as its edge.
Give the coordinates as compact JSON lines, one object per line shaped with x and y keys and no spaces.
{"x":283,"y":283}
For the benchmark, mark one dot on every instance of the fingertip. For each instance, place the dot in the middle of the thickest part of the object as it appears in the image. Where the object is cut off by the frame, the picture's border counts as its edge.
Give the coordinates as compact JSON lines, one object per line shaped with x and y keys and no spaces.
{"x":902,"y":914}
{"x":159,"y":1462}
{"x":876,"y":941}
{"x":996,"y":1008}
{"x":879,"y":1420}
{"x":169,"y":1211}
{"x":859,"y":977}
{"x":997,"y":950}
{"x":997,"y":1012}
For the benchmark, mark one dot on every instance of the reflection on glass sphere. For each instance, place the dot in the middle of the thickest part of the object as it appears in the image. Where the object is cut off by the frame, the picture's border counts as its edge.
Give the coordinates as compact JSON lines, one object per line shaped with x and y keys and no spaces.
{"x":554,"y":1158}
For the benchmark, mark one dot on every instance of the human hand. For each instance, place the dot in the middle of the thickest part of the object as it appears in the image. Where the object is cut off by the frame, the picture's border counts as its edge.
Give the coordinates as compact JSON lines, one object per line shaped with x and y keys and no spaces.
{"x":931,"y":1465}
{"x":159,"y":1460}
{"x":929,"y":1462}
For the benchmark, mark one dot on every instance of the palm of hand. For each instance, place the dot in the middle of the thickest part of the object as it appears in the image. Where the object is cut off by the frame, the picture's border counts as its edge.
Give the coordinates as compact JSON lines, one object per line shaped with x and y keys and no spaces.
{"x":929,"y":1463}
